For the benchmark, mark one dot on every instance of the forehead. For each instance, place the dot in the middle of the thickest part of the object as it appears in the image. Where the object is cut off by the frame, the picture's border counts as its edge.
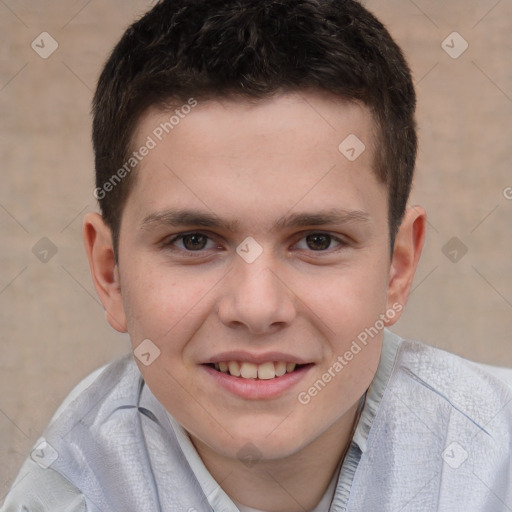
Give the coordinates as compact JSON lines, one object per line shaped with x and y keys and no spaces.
{"x":266,"y":156}
{"x":319,"y":116}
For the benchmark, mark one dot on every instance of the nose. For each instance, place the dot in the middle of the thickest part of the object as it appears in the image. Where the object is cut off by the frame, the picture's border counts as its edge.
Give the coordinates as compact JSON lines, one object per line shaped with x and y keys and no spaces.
{"x":256,"y":298}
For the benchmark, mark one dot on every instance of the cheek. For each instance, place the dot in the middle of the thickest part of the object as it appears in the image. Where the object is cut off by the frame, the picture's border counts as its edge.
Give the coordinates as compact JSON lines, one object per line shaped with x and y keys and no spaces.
{"x":346,"y":379}
{"x":161,"y":302}
{"x":346,"y":301}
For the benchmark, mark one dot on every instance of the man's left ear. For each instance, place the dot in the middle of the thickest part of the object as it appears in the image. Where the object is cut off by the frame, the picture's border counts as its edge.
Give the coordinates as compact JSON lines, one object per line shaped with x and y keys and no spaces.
{"x":406,"y":254}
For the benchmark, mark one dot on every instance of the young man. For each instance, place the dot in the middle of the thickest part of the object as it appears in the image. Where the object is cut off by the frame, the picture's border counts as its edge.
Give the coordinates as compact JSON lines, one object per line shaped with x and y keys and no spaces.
{"x":254,"y":160}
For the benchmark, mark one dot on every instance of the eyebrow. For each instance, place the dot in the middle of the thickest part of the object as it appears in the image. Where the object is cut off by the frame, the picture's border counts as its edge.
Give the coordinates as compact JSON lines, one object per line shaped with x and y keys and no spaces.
{"x":176,"y":218}
{"x":186,"y":217}
{"x":322,"y":218}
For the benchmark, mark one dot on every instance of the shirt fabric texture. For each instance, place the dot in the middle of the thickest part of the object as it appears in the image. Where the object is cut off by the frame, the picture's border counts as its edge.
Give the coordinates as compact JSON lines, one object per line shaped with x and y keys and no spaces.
{"x":435,"y":434}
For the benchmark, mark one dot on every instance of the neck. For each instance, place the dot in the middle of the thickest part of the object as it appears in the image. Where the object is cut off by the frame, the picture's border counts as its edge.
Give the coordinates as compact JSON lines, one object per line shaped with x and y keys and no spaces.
{"x":294,"y":483}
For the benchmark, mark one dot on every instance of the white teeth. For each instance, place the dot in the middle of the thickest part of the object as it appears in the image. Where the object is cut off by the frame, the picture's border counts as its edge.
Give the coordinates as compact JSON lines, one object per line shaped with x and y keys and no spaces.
{"x":290,"y":367}
{"x":264,"y":371}
{"x":249,"y":370}
{"x":234,"y":368}
{"x":280,"y":368}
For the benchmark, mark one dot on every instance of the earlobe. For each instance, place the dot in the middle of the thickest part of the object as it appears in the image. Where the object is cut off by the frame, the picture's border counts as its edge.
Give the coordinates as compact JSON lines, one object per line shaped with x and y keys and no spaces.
{"x":406,"y":254}
{"x":104,"y":271}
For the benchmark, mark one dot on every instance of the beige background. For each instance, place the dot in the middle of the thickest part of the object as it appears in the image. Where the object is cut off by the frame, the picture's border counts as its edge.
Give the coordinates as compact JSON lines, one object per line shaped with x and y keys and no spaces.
{"x":53,"y":331}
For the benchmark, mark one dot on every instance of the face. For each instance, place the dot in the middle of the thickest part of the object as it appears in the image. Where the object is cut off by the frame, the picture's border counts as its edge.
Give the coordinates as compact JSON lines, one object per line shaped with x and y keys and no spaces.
{"x":251,"y":244}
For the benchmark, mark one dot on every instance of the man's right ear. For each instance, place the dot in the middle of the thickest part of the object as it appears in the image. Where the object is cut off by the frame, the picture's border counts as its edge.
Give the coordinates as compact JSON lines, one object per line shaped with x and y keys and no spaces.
{"x":105,"y":273}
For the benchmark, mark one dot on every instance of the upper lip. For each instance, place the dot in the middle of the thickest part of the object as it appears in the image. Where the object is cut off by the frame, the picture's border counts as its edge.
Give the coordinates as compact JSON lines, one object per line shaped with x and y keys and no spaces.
{"x":247,"y":357}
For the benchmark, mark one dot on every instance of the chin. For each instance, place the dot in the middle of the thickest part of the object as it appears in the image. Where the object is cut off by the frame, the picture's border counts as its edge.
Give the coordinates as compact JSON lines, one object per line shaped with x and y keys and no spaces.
{"x":270,"y":443}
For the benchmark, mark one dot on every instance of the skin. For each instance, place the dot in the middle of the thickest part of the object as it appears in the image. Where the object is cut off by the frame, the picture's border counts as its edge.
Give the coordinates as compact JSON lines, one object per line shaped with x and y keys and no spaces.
{"x":257,"y":163}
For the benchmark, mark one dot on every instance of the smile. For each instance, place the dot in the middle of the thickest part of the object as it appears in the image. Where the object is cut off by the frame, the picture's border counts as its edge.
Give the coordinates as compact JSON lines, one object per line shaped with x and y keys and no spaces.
{"x":256,"y":381}
{"x":264,"y":371}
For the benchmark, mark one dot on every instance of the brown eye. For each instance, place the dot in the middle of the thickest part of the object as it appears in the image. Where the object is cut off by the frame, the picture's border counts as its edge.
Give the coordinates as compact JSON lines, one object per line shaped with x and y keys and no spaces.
{"x":194,"y":242}
{"x":318,"y":241}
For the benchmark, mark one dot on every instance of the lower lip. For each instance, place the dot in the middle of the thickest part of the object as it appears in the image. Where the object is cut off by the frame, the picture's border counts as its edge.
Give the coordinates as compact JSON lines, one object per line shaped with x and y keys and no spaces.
{"x":258,"y":389}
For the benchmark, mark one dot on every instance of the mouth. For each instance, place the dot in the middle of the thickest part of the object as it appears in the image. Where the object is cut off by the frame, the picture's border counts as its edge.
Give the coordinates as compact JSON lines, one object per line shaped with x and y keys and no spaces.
{"x":265,"y":371}
{"x":256,"y":376}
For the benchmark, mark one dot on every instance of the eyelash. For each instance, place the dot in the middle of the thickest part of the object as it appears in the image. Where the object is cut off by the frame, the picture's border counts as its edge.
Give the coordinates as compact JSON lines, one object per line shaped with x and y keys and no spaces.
{"x":169,"y":243}
{"x":181,"y":236}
